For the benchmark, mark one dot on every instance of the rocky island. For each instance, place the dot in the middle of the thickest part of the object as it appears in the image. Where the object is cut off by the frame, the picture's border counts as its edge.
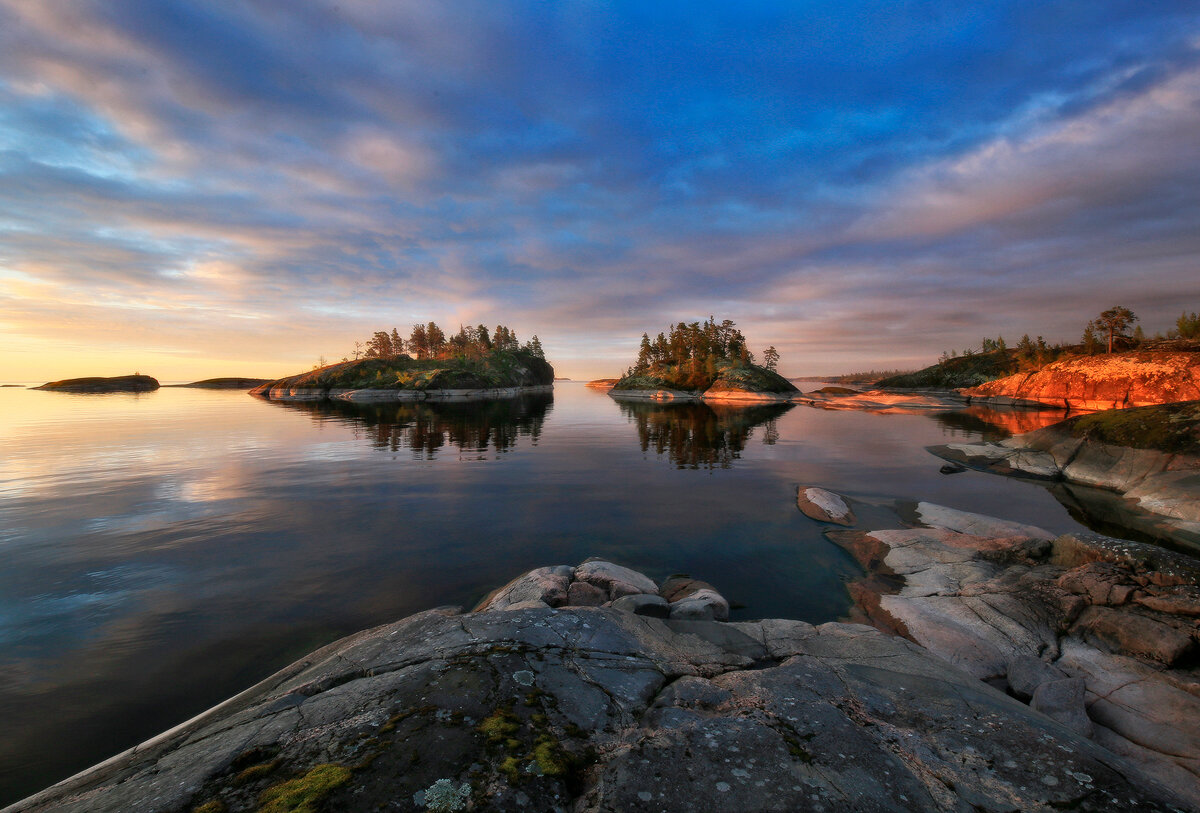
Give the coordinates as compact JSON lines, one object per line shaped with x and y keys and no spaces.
{"x":702,"y":362}
{"x":123,"y":383}
{"x":231,"y":383}
{"x":593,"y":688}
{"x":471,"y":365}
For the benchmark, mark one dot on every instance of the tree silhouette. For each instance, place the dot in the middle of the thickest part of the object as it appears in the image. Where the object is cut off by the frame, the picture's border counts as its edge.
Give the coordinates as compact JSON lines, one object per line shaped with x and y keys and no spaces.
{"x":1116,"y":320}
{"x":771,"y":358}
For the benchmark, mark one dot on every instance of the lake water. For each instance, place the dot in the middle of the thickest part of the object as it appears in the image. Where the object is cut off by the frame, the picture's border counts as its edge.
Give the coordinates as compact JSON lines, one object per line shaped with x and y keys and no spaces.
{"x":166,"y":550}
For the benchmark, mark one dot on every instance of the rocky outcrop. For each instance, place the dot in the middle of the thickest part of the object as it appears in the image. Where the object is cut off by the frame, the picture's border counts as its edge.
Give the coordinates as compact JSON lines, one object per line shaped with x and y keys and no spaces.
{"x":1088,"y":383}
{"x":602,"y":383}
{"x":1099,"y":633}
{"x":1149,"y":455}
{"x":123,"y":383}
{"x":599,"y":709}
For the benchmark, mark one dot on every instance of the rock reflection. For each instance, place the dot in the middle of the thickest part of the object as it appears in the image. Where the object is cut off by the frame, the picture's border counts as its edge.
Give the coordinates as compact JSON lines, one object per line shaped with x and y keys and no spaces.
{"x":699,"y":436}
{"x":993,"y":424}
{"x":425,"y":428}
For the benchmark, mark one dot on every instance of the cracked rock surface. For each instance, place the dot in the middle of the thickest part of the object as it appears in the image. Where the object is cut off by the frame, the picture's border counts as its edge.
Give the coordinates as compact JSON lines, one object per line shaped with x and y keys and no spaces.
{"x":602,"y":709}
{"x":1098,"y":633}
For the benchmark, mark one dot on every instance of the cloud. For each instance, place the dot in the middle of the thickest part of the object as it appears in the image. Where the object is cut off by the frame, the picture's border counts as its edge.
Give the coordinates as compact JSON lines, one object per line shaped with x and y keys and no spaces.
{"x":587,"y":172}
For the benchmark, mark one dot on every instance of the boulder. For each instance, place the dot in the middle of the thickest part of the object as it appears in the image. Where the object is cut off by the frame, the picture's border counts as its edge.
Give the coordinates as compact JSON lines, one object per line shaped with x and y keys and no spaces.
{"x":824,"y":506}
{"x":1131,"y":633}
{"x":1062,"y":700}
{"x":692,"y":599}
{"x":614,"y":580}
{"x":546,"y":584}
{"x":643,"y":604}
{"x":1026,"y":673}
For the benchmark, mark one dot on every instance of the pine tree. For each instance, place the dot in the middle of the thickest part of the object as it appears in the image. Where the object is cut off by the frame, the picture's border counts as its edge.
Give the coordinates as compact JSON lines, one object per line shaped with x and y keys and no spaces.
{"x":771,"y":358}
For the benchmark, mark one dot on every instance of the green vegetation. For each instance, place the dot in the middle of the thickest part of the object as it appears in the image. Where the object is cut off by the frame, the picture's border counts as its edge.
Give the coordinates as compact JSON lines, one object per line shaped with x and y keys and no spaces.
{"x":959,"y":371}
{"x":1112,"y":329}
{"x":305,"y":793}
{"x":495,"y":368}
{"x":699,"y":356}
{"x":430,"y":342}
{"x":1172,"y":428}
{"x":212,"y":806}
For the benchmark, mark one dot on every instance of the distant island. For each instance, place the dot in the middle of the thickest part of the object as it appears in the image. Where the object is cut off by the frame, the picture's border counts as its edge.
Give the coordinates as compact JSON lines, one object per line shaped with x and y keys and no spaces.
{"x":474,"y":363}
{"x":123,"y":383}
{"x":703,"y":361}
{"x":225,"y":383}
{"x":603,"y":383}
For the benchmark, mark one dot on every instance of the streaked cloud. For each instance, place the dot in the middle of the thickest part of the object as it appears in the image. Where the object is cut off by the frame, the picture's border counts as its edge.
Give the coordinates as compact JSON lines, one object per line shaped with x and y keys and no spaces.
{"x":862,"y":186}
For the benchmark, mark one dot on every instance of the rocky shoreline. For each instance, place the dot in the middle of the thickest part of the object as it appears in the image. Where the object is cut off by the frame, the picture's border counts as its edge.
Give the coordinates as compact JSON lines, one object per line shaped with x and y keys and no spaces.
{"x":592,"y":688}
{"x":1098,"y":633}
{"x":1160,"y":480}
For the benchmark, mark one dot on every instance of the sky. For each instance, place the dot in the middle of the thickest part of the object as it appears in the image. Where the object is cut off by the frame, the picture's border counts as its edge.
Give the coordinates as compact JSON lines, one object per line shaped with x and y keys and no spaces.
{"x":238,"y":188}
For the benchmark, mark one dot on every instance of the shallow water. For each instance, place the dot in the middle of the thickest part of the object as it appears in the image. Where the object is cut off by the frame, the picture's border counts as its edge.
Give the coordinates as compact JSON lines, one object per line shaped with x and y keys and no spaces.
{"x":163,"y":551}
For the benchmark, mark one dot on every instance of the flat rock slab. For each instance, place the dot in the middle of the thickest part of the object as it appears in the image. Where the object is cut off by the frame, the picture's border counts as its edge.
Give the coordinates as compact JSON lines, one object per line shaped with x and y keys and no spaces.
{"x":604,"y":710}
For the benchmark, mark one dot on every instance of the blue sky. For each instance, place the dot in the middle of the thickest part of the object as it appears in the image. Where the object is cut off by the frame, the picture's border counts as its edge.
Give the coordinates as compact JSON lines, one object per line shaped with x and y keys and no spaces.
{"x":238,"y":188}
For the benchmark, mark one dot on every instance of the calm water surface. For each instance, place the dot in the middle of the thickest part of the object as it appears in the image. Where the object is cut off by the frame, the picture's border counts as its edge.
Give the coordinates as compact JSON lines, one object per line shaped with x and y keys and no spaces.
{"x":163,"y":551}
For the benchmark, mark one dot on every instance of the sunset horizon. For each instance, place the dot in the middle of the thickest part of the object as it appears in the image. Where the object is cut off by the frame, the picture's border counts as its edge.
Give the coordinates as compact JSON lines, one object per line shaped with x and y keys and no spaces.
{"x":235,"y":190}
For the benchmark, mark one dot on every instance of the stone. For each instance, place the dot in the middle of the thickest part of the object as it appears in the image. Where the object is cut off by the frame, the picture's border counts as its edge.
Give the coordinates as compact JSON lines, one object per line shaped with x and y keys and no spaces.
{"x":1026,"y":673}
{"x":952,"y":468}
{"x":952,"y":519}
{"x":1131,"y":633}
{"x":643,"y":604}
{"x":824,"y":506}
{"x":547,"y":584}
{"x":1101,"y":582}
{"x":583,"y":594}
{"x":614,"y":580}
{"x":1062,"y":700}
{"x":599,"y":709}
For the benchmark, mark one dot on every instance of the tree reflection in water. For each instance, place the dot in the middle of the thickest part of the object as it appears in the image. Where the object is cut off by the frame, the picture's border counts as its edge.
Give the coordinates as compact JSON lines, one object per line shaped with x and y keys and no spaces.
{"x":696,"y":436}
{"x":427,"y":427}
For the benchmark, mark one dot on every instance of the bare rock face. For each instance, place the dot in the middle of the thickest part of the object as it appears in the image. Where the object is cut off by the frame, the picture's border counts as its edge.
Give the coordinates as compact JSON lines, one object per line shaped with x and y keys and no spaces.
{"x":1098,"y":633}
{"x":824,"y":506}
{"x":1116,"y":381}
{"x":596,"y":709}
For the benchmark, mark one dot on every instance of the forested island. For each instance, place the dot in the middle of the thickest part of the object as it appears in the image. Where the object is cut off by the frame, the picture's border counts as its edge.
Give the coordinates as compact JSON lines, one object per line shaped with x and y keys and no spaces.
{"x":709,"y":361}
{"x":429,"y":365}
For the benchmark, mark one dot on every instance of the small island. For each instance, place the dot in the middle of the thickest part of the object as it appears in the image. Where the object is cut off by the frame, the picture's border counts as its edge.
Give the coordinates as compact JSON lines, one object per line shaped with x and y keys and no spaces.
{"x":473,"y":364}
{"x":703,"y":361}
{"x":224,"y":384}
{"x":122,"y":383}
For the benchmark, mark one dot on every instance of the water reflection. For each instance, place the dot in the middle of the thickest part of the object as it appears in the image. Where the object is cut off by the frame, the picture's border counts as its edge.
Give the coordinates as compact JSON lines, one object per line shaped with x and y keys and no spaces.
{"x":472,"y":428}
{"x":695,"y":436}
{"x":991,"y":424}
